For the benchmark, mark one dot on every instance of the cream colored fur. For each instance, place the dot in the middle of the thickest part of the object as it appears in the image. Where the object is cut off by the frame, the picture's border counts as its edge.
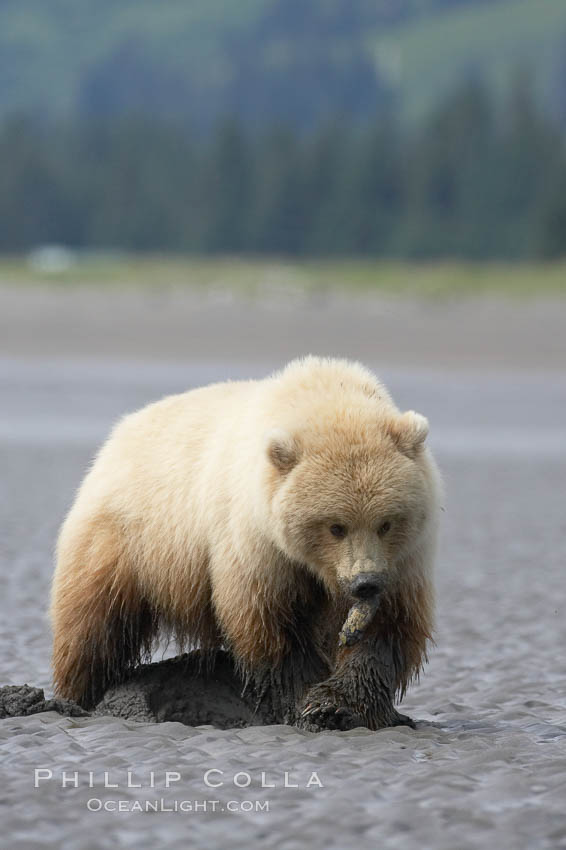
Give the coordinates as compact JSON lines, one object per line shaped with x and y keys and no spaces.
{"x":203,"y":511}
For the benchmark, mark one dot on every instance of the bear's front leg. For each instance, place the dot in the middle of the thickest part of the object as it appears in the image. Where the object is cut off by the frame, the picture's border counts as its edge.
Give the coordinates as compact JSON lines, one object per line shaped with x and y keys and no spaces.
{"x":281,"y":689}
{"x":360,"y":692}
{"x":279,"y":639}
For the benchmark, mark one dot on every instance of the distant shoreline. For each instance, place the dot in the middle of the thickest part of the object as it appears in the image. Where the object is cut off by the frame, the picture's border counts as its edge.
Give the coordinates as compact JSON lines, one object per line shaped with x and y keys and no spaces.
{"x":62,"y":268}
{"x":217,"y":322}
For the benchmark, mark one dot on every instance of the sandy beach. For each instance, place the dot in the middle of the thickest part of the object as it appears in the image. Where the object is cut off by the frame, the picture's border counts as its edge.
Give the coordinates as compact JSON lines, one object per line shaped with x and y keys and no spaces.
{"x":219,"y":325}
{"x":487,"y":764}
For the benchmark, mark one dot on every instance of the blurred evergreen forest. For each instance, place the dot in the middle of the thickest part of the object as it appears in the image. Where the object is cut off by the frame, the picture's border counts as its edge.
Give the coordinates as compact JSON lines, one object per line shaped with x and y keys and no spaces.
{"x":387,"y":128}
{"x":475,"y":179}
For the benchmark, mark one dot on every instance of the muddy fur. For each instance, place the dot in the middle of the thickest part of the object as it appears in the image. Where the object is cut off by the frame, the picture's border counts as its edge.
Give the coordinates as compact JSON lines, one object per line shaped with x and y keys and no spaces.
{"x":309,"y":658}
{"x":104,"y":627}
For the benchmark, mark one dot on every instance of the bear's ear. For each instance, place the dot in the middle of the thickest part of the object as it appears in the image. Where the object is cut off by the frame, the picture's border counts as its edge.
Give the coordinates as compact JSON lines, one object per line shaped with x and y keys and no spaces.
{"x":282,"y":450}
{"x":408,"y":432}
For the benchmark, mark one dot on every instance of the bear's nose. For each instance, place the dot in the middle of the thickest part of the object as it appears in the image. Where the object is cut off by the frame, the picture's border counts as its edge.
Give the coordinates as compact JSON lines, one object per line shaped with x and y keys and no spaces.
{"x":365,"y":585}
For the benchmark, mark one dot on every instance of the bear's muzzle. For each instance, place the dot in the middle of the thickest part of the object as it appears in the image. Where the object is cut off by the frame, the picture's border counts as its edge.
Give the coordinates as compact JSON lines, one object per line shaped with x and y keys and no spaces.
{"x":366,"y":585}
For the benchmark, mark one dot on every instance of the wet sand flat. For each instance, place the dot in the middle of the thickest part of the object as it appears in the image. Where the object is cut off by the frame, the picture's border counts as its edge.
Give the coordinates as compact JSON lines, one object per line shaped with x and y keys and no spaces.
{"x":486,"y":766}
{"x":217,"y":325}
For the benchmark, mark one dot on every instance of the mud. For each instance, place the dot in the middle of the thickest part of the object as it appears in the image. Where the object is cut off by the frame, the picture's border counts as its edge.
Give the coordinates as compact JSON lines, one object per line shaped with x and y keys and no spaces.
{"x":186,"y":690}
{"x":23,"y":700}
{"x":485,"y":766}
{"x":181,"y":689}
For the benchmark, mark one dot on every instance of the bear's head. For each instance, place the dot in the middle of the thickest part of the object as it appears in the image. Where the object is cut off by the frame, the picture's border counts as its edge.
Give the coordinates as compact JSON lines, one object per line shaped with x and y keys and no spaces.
{"x":352,"y":500}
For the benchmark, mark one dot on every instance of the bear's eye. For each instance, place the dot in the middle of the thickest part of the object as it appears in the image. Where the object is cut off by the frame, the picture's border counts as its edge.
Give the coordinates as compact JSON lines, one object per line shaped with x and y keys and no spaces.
{"x":384,"y":528}
{"x":338,"y":530}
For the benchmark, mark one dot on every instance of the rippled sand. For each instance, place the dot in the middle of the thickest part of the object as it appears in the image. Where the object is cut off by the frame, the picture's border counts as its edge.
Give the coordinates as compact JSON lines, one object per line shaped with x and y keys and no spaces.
{"x":486,"y":766}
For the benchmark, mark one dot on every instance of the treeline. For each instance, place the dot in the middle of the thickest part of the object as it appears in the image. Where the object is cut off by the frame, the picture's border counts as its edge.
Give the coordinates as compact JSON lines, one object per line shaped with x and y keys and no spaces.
{"x":477,"y":180}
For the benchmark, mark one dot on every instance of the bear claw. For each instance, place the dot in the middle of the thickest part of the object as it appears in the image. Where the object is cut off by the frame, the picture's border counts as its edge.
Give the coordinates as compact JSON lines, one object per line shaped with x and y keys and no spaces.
{"x":326,"y":714}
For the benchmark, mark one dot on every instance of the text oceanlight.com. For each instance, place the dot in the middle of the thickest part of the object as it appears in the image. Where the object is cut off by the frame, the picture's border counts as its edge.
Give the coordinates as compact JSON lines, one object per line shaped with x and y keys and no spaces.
{"x":95,"y":804}
{"x":151,"y":785}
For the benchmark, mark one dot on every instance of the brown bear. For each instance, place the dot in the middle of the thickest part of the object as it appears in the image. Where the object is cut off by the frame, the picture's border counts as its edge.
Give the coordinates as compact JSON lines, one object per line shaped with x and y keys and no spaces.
{"x":251,"y":515}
